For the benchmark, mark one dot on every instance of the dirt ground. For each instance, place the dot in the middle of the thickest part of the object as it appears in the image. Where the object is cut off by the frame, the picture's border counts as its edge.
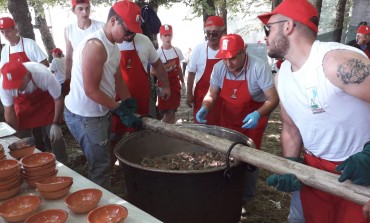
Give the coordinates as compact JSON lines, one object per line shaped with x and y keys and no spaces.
{"x":269,"y":205}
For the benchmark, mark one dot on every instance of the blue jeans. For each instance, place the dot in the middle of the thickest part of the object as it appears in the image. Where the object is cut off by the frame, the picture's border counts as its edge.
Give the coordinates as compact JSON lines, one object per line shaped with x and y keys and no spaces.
{"x":296,"y":210}
{"x":250,"y":185}
{"x":92,"y":133}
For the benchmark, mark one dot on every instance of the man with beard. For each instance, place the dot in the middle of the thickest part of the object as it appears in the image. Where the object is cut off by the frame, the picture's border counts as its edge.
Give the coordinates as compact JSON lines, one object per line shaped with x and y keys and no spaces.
{"x":321,"y":87}
{"x":75,"y":32}
{"x":200,"y":68}
{"x":246,"y":87}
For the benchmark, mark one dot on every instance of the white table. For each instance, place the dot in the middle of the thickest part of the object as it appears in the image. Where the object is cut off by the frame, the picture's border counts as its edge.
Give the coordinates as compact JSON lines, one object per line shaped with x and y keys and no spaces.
{"x":135,"y":215}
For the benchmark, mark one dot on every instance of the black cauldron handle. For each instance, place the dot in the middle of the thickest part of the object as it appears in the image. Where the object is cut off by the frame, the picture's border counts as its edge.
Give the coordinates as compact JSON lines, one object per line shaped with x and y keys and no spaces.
{"x":227,"y":171}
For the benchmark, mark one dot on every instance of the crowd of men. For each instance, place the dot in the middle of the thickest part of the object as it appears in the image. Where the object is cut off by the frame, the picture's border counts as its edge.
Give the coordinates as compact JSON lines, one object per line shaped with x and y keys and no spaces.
{"x":106,"y":77}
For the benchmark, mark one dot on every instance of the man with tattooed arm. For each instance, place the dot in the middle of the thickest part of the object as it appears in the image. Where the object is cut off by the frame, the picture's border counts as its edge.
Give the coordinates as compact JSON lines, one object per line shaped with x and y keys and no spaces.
{"x":324,"y":89}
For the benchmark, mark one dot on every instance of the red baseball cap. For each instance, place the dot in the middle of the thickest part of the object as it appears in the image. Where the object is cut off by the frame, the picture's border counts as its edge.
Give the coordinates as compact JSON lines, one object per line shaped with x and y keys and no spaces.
{"x":299,"y":10}
{"x":230,"y":45}
{"x":13,"y":74}
{"x":130,"y":14}
{"x":76,"y":2}
{"x":56,"y":50}
{"x":165,"y":30}
{"x":215,"y":21}
{"x":6,"y":23}
{"x":363,"y":30}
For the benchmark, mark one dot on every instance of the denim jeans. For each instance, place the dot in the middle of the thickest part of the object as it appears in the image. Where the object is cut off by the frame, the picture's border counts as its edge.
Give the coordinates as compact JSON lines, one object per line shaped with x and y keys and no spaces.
{"x":92,"y":133}
{"x":58,"y":147}
{"x":250,"y":185}
{"x":296,"y":210}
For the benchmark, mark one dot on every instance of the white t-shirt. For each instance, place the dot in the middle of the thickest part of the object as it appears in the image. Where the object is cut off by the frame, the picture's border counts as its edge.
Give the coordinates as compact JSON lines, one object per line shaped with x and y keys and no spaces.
{"x":30,"y":47}
{"x":258,"y":74}
{"x":198,"y":59}
{"x":75,"y":34}
{"x":77,"y":101}
{"x":170,"y":54}
{"x":333,"y":124}
{"x":144,"y":48}
{"x":58,"y":69}
{"x":41,"y":76}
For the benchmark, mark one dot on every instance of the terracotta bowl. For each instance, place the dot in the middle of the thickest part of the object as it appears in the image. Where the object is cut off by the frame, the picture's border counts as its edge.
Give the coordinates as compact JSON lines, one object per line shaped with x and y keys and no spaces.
{"x":52,"y":215}
{"x":38,"y":168}
{"x":15,"y":182}
{"x":37,"y":159}
{"x":22,"y":143}
{"x":9,"y":192}
{"x":19,"y":208}
{"x":83,"y":201}
{"x":31,"y":181}
{"x":20,"y":153}
{"x":7,"y":180}
{"x":8,"y":168}
{"x":52,"y":195}
{"x":108,"y":213}
{"x":53,"y":183}
{"x":39,"y":172}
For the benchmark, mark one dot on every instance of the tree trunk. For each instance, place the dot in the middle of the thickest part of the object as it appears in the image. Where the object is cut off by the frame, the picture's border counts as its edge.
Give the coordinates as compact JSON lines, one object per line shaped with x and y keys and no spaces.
{"x":209,"y":9}
{"x":22,"y":17}
{"x":275,"y":3}
{"x":223,"y":11}
{"x":46,"y":36}
{"x":339,"y":20}
{"x":318,"y":6}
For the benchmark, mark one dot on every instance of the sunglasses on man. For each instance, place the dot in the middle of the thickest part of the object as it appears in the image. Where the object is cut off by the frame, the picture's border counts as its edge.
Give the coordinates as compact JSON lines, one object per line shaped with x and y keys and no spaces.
{"x":127,"y":31}
{"x":266,"y":28}
{"x":212,"y":33}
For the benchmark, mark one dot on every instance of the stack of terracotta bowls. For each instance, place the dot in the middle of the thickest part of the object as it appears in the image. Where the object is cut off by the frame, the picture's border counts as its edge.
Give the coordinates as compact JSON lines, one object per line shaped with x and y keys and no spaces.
{"x":38,"y":166}
{"x":22,"y":148}
{"x":56,"y":187}
{"x":10,"y":178}
{"x":2,"y":153}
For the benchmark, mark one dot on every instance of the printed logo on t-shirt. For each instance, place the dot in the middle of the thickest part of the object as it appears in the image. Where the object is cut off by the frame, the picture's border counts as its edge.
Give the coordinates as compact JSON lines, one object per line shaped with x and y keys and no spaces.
{"x":313,"y":100}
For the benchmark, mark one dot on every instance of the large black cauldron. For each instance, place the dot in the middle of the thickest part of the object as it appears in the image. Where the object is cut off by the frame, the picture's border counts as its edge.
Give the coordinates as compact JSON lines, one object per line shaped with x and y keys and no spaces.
{"x":181,"y":196}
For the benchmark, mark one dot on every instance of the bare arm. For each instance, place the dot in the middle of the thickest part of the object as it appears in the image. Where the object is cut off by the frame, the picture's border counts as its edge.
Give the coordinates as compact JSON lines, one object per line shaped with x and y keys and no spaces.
{"x":68,"y":59}
{"x":121,"y":87}
{"x":291,"y":139}
{"x":10,"y":117}
{"x":349,"y":71}
{"x":58,"y":111}
{"x":272,"y":101}
{"x":190,"y":83}
{"x":211,"y":97}
{"x":161,"y":74}
{"x":93,"y":59}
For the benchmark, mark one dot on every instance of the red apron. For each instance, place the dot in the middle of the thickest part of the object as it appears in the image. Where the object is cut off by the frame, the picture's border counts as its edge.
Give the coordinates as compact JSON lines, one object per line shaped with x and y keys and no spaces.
{"x":238,"y":103}
{"x":173,"y":78}
{"x":320,"y":207}
{"x":201,"y":89}
{"x":367,"y":52}
{"x":35,"y":109}
{"x":138,"y":83}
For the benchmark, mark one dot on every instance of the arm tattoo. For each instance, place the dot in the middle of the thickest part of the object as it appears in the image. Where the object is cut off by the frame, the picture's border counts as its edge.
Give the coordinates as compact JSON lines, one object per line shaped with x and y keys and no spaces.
{"x":353,"y":71}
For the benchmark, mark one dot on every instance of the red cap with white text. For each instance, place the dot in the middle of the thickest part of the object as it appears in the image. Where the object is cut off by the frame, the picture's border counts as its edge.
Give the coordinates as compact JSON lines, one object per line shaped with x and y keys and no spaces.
{"x":130,"y":14}
{"x":13,"y":74}
{"x":230,"y":45}
{"x":215,"y":21}
{"x":6,"y":23}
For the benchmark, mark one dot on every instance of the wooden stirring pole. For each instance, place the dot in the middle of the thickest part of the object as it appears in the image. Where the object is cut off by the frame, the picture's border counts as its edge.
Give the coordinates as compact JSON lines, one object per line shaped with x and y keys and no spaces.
{"x":310,"y":176}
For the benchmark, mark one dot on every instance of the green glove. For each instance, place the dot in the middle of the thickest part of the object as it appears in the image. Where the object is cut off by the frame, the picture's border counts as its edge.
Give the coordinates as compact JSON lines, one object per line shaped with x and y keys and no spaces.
{"x":286,"y":182}
{"x":131,"y":104}
{"x":127,"y":117}
{"x":356,"y":167}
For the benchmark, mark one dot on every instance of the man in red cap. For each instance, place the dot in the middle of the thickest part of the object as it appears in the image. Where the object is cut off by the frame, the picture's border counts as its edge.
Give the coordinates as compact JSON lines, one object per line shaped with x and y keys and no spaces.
{"x":200,"y":68}
{"x":22,"y":49}
{"x":32,"y":98}
{"x":57,"y":67}
{"x":75,"y":32}
{"x":96,"y":79}
{"x":325,"y":101}
{"x":246,"y":87}
{"x":137,"y":54}
{"x":363,"y":39}
{"x":171,"y":57}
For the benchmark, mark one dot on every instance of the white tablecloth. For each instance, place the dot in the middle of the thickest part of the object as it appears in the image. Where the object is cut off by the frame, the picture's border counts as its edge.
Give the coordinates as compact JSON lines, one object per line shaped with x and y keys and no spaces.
{"x":135,"y":215}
